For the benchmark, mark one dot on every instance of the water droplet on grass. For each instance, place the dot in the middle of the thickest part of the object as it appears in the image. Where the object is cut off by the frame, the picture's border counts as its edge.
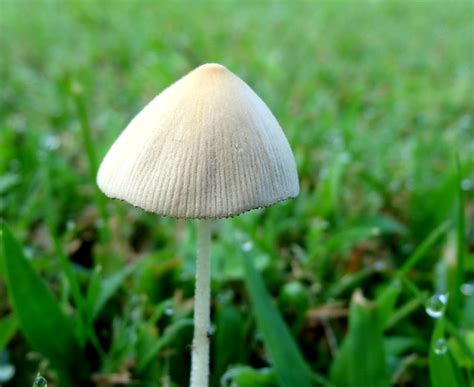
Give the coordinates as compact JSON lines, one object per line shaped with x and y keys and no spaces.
{"x":440,"y":346}
{"x":258,"y":338}
{"x":467,"y":184}
{"x":29,"y":252}
{"x":380,"y":266}
{"x":169,"y":311}
{"x":50,"y":142}
{"x":211,"y":330}
{"x":436,"y":304}
{"x":345,"y":157}
{"x":227,"y":380}
{"x":396,"y":283}
{"x":40,"y":381}
{"x":7,"y":372}
{"x":467,"y":289}
{"x":375,"y":231}
{"x":247,"y":246}
{"x":100,"y":223}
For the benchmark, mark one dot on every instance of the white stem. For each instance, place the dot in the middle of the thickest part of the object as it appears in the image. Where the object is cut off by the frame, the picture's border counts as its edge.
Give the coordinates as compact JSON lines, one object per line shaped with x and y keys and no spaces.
{"x":202,"y":306}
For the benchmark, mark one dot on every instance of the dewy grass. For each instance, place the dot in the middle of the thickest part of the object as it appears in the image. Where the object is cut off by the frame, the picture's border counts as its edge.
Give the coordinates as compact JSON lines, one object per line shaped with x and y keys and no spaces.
{"x":375,"y":99}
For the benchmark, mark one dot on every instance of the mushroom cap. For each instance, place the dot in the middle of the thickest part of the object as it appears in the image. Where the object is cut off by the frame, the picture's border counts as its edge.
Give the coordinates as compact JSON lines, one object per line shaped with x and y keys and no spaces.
{"x":206,"y":147}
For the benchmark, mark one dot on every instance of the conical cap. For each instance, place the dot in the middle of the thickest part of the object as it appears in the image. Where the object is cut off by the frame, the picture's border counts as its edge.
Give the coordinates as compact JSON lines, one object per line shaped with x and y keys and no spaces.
{"x":206,"y":147}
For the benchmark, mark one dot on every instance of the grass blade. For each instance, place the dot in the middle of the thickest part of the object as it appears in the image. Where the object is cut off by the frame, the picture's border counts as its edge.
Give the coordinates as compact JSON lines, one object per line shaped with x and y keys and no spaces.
{"x":229,"y":325}
{"x":423,"y":248}
{"x":443,"y":370}
{"x":456,"y":301}
{"x":106,"y":288}
{"x":289,"y":364}
{"x":8,"y":328}
{"x":40,"y":317}
{"x":86,"y":132}
{"x":329,"y":187}
{"x":365,"y":333}
{"x":169,"y":335}
{"x":361,"y":359}
{"x":339,"y":375}
{"x":387,"y":300}
{"x":244,"y":376}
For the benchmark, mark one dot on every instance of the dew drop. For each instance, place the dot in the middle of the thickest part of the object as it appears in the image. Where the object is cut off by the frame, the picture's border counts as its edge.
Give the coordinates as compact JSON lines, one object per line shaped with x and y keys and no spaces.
{"x":467,"y":184}
{"x":375,"y":231}
{"x":211,"y":330}
{"x":227,"y":380}
{"x":396,"y":283}
{"x":320,"y":224}
{"x":70,"y":225}
{"x":100,"y":223}
{"x":440,"y":346}
{"x":345,"y":157}
{"x":467,"y":289}
{"x":76,"y":88}
{"x":29,"y":252}
{"x":50,"y":142}
{"x":258,"y":338}
{"x":436,"y":304}
{"x":380,"y":266}
{"x":169,"y":311}
{"x":40,"y":381}
{"x":7,"y":372}
{"x":247,"y":246}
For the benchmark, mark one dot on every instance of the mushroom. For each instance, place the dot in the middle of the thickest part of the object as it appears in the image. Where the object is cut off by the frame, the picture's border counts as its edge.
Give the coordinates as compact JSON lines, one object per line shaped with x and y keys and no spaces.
{"x":206,"y":147}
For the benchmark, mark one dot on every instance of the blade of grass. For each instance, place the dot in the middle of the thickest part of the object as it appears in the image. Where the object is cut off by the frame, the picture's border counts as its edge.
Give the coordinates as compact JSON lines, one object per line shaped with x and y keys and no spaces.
{"x":245,"y":376}
{"x":170,"y":333}
{"x":403,"y":312}
{"x":76,"y":92}
{"x":460,"y":338}
{"x":349,"y":281}
{"x":75,"y":290}
{"x":443,"y":370}
{"x":41,"y":319}
{"x":387,"y":300}
{"x":339,"y":374}
{"x":286,"y":358}
{"x":360,"y":361}
{"x":83,"y":327}
{"x":365,"y":334}
{"x":8,"y":328}
{"x":108,"y":287}
{"x":229,"y":330}
{"x":328,"y":192}
{"x":423,"y":248}
{"x":456,"y":301}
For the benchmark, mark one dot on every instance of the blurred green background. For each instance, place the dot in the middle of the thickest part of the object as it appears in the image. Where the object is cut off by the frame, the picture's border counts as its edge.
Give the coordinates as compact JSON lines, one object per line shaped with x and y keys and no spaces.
{"x":370,"y":268}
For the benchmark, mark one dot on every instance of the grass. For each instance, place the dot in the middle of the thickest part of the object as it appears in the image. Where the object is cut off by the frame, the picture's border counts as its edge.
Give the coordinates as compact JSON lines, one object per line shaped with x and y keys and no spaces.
{"x":376,"y":99}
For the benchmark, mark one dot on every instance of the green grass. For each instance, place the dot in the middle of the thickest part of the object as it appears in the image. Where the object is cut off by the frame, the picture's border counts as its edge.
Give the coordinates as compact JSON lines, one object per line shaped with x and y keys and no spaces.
{"x":376,"y":99}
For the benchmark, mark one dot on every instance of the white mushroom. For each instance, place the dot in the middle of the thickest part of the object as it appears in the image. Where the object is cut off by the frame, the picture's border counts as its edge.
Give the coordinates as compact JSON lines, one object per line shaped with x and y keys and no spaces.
{"x":206,"y":147}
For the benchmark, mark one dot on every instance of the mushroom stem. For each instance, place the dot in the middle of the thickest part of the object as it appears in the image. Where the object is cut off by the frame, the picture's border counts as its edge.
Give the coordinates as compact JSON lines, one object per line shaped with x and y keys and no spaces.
{"x":200,"y":351}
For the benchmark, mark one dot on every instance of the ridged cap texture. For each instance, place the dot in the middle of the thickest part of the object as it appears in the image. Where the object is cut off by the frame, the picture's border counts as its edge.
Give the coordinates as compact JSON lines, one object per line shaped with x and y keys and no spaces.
{"x":206,"y":147}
